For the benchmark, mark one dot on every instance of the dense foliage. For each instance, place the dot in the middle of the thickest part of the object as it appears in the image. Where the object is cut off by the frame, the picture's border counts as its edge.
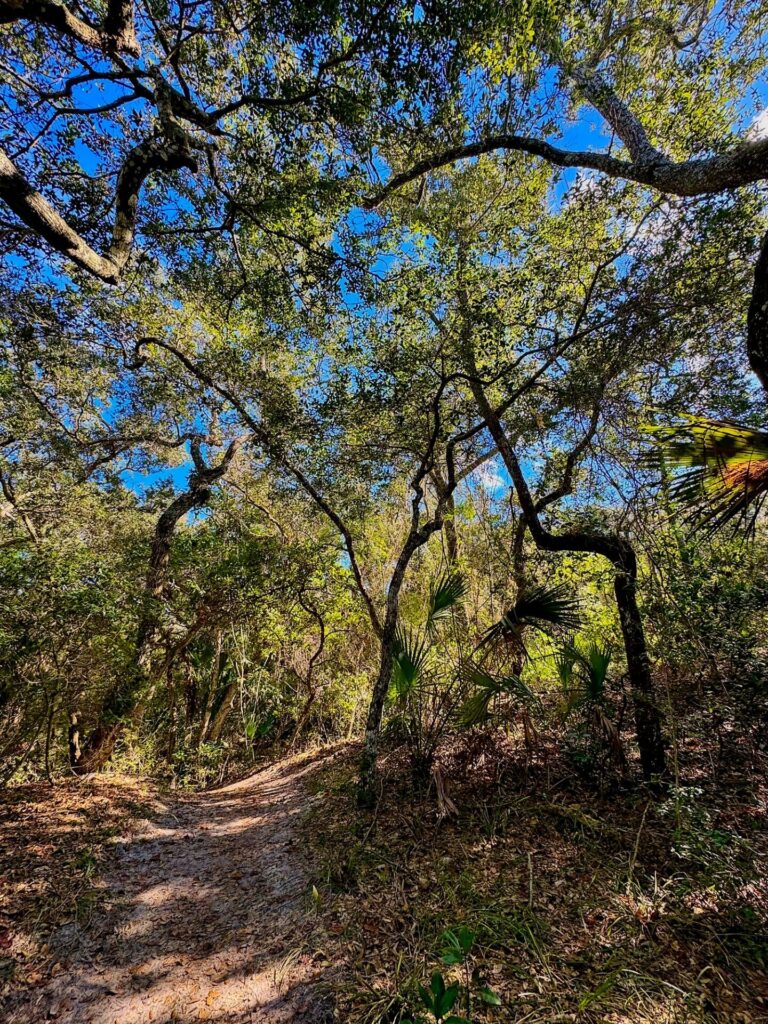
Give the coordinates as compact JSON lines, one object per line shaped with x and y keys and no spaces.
{"x":349,"y":358}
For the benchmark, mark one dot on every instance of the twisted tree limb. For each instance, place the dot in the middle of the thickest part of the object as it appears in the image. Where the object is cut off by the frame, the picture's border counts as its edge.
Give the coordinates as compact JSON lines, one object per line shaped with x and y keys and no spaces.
{"x":115,"y":35}
{"x":745,"y":164}
{"x":169,"y":151}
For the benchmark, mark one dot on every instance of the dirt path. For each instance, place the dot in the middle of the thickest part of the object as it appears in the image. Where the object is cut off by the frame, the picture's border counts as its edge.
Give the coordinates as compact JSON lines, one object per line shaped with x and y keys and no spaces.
{"x":211,"y":907}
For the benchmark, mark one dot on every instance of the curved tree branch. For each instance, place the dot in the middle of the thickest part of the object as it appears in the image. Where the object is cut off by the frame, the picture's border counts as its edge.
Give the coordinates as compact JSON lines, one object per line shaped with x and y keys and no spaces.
{"x":168,"y":153}
{"x":115,"y":35}
{"x":744,"y":164}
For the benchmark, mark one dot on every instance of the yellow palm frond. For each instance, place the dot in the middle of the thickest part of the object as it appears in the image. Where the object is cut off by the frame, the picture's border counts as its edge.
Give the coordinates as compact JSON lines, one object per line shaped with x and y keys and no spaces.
{"x":724,"y":470}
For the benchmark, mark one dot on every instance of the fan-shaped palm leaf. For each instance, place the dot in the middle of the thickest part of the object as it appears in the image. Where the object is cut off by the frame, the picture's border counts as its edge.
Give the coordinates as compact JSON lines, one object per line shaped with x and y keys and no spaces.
{"x":587,"y":686}
{"x":444,"y":595}
{"x":596,"y":661}
{"x":474,"y":710}
{"x":540,"y":608}
{"x":409,"y":653}
{"x":725,"y":470}
{"x":565,"y":663}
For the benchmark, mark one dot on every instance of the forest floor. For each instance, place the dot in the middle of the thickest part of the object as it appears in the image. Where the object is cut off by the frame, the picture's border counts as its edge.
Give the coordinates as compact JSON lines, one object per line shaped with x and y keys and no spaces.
{"x":585,"y":902}
{"x":199,"y":913}
{"x":275,"y":899}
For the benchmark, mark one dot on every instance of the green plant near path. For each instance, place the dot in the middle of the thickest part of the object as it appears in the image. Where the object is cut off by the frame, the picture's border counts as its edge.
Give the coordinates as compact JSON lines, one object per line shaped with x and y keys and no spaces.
{"x":584,"y":677}
{"x":440,"y":999}
{"x":423,"y":698}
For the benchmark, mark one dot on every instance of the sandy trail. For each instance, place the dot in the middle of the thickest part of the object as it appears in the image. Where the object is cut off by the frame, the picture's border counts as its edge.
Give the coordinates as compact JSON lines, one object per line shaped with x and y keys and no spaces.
{"x":211,"y":906}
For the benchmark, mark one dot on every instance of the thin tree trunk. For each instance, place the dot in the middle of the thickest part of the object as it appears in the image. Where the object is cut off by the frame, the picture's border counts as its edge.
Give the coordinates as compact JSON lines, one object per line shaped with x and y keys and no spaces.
{"x":122,"y":700}
{"x":223,"y":712}
{"x":367,"y":795}
{"x":74,"y":739}
{"x":309,"y":678}
{"x":757,"y":319}
{"x":650,"y":740}
{"x":417,"y":536}
{"x":48,"y":734}
{"x":619,"y":552}
{"x":173,"y":700}
{"x":210,"y":695}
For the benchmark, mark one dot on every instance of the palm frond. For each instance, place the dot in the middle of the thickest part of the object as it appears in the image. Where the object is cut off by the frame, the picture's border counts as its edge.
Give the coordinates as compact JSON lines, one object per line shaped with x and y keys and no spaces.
{"x":596,"y":660}
{"x":540,"y":608}
{"x":409,"y":652}
{"x":444,"y":595}
{"x":724,"y":470}
{"x":565,"y":662}
{"x":587,"y":685}
{"x":474,"y":710}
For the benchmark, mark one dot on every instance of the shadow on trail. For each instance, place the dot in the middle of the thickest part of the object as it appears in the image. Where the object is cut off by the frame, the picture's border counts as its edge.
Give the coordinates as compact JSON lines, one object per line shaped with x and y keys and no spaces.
{"x":210,"y":918}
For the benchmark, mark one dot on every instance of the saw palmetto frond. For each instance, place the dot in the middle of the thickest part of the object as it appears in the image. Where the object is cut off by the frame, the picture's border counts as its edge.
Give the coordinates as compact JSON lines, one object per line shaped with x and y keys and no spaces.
{"x":445,"y":594}
{"x":724,"y":470}
{"x":540,"y":607}
{"x":485,"y":688}
{"x":410,"y":650}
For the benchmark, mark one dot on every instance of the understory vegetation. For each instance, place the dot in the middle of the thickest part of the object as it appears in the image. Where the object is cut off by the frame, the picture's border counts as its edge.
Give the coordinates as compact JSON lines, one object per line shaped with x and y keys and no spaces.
{"x":392,"y":379}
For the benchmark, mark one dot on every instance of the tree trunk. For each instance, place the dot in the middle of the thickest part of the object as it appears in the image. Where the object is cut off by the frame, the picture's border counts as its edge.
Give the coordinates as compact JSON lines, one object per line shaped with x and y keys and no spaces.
{"x":417,"y":536}
{"x":757,"y":319}
{"x":366,"y":796}
{"x":222,"y":714}
{"x":122,"y":700}
{"x":74,"y":740}
{"x":451,"y":535}
{"x":210,"y":694}
{"x":303,"y":718}
{"x":619,"y":552}
{"x":647,"y":718}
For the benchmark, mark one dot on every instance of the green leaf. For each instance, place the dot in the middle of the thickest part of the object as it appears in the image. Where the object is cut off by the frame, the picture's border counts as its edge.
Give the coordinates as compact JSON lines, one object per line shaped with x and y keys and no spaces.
{"x":426,"y":998}
{"x":444,"y":595}
{"x":466,"y":938}
{"x":446,"y":1001}
{"x":489,"y":996}
{"x":437,"y":985}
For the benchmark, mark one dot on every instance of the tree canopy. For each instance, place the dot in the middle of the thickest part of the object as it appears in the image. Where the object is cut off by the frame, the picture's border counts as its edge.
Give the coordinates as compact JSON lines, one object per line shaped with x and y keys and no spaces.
{"x":308,"y":307}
